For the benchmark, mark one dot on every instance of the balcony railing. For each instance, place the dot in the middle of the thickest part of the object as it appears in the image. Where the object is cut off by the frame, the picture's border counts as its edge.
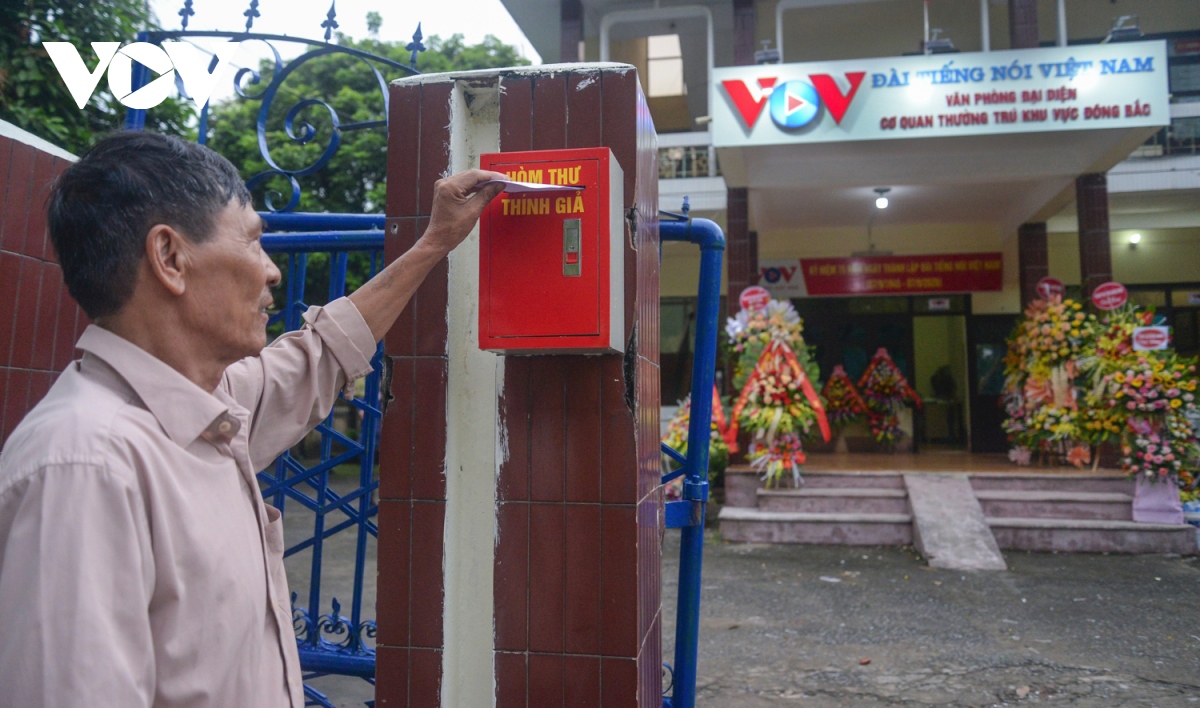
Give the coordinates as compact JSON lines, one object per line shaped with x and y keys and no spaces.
{"x":689,"y":161}
{"x":1181,"y":137}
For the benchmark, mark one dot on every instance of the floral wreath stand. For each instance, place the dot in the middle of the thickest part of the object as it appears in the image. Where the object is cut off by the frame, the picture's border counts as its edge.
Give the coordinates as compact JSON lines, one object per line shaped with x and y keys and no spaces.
{"x":886,"y":423}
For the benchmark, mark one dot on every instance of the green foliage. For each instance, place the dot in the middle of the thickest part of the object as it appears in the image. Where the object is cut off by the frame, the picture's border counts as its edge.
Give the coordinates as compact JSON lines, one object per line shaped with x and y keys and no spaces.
{"x":33,"y":95}
{"x":453,"y":55}
{"x":354,"y":180}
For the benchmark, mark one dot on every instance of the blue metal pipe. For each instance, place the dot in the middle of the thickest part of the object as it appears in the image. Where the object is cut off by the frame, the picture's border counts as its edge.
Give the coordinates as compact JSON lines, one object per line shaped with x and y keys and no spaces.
{"x":322,"y":241}
{"x":711,"y":240}
{"x":309,"y":221}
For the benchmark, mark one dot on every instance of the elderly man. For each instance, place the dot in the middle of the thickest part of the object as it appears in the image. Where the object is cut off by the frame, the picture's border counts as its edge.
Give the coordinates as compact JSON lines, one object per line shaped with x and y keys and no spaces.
{"x":139,"y":565}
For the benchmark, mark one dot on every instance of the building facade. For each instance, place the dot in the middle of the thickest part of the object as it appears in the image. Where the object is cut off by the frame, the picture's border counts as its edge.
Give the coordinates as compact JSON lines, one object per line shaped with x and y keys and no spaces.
{"x":1027,"y":139}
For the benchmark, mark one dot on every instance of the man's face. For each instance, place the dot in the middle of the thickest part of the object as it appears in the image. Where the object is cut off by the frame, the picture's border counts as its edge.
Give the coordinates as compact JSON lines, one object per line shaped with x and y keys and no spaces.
{"x":229,"y":285}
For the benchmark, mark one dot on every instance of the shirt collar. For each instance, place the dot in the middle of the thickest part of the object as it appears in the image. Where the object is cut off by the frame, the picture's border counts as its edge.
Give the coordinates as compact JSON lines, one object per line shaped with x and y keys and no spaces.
{"x":184,"y":410}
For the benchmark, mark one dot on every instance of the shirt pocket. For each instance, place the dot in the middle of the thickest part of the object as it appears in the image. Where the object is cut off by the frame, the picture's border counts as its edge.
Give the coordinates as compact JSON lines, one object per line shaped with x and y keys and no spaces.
{"x":275,"y":547}
{"x":274,"y":534}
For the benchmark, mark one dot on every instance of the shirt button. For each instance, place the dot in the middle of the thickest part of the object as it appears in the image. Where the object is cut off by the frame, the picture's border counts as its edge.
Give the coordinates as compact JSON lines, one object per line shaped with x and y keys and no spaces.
{"x":224,"y":426}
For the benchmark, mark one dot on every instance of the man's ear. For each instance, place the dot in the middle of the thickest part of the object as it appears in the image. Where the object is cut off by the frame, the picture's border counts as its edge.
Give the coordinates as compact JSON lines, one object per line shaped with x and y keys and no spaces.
{"x":167,"y":256}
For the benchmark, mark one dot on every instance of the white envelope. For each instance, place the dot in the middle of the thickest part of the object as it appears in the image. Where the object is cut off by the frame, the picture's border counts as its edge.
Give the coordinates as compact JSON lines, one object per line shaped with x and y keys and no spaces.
{"x":513,"y":187}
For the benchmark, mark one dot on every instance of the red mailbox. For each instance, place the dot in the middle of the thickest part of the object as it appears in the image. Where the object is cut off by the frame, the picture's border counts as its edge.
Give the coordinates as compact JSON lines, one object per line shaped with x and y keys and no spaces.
{"x":551,"y":264}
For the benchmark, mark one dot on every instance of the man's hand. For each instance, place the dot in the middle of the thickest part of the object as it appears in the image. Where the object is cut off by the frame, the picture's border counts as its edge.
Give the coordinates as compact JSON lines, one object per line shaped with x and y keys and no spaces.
{"x":457,"y":206}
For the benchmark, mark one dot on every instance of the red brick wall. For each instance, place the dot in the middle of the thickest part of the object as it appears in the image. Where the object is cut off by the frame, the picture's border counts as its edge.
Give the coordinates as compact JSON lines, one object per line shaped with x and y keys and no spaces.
{"x":39,"y":322}
{"x":576,"y":583}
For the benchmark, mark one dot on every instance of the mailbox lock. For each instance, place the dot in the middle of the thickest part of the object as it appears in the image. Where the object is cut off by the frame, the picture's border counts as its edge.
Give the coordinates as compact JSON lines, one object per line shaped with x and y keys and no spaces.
{"x":571,"y":265}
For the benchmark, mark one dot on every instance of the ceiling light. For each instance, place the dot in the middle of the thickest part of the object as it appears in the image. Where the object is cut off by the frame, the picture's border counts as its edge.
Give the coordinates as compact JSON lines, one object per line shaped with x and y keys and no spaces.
{"x":1135,"y":238}
{"x":881,"y":202}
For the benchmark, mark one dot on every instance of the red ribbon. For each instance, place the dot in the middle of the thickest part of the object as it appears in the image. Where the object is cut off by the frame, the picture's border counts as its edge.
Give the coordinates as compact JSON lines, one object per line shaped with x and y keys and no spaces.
{"x":789,"y":357}
{"x":905,"y":389}
{"x":839,"y":374}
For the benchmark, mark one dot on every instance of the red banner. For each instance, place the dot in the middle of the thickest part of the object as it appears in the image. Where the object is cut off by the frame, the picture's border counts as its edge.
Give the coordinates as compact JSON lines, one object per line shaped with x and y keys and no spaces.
{"x":902,"y":275}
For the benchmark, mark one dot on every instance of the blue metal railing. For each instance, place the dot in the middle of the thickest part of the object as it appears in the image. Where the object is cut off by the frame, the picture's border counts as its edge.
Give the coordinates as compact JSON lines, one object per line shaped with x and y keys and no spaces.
{"x":688,"y":513}
{"x":288,"y":479}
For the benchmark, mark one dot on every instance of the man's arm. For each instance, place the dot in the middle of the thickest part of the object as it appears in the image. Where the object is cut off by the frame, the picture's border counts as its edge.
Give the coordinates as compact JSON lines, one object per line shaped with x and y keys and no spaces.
{"x":75,"y":591}
{"x":456,"y":208}
{"x":292,"y":384}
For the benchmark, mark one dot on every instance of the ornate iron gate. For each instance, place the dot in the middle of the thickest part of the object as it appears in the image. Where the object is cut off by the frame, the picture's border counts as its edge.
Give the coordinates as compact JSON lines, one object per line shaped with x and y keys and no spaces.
{"x":329,"y":642}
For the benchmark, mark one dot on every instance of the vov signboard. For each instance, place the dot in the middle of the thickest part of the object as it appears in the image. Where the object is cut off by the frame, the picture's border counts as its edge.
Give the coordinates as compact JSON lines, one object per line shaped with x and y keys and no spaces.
{"x":1098,"y":86}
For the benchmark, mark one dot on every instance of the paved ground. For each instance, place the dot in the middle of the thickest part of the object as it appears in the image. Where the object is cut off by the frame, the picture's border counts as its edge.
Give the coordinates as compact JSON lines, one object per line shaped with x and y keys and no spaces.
{"x":1077,"y":630}
{"x":337,"y":580}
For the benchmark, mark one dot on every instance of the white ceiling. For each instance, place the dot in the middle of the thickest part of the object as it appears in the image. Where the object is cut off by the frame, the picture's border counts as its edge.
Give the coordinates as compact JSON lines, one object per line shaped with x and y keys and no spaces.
{"x":1004,"y":180}
{"x":1179,"y":208}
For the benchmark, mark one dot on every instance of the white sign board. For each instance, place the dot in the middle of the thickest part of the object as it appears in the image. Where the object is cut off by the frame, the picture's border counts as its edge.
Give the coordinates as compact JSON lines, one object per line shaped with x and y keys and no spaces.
{"x":783,"y":279}
{"x":1151,"y":338}
{"x":1090,"y":87}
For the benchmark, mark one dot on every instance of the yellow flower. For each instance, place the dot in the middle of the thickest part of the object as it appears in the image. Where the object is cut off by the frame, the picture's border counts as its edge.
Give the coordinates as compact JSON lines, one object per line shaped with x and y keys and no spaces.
{"x":1175,"y":403}
{"x":1120,"y":377}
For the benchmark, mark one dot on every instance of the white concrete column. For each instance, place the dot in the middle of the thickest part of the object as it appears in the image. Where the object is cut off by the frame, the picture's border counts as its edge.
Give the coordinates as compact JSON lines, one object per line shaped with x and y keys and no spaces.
{"x":473,"y":439}
{"x":1062,"y":23}
{"x":985,"y":27}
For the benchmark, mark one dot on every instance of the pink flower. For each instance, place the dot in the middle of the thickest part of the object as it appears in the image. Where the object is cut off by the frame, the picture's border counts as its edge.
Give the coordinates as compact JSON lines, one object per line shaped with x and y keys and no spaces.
{"x":1131,"y":405}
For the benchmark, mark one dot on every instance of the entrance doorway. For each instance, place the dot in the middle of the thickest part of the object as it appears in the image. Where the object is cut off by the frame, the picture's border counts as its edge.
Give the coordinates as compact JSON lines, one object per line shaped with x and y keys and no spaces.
{"x":940,"y":377}
{"x":925,"y":336}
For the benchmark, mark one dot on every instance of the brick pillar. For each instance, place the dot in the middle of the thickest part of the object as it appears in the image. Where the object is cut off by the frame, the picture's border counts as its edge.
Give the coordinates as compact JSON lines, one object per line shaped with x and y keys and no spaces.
{"x":412,"y":487}
{"x":568,"y":611}
{"x":741,"y":252}
{"x":738,"y":249}
{"x":1033,"y":259}
{"x":1022,"y":24}
{"x":744,"y":21}
{"x":1095,"y":252}
{"x":571,"y":33}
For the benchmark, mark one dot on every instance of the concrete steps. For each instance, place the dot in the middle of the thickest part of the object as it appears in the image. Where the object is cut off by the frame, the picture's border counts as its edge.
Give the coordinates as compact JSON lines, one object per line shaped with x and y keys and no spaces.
{"x":857,"y":508}
{"x":1072,"y":513}
{"x":1055,"y":504}
{"x":760,"y":526}
{"x":831,"y":500}
{"x":1045,"y":482}
{"x":853,"y":480}
{"x":1092,"y":536}
{"x":1069,"y":512}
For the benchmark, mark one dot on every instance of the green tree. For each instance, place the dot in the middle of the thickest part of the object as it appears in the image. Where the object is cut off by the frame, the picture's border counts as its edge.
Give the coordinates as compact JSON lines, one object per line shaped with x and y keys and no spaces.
{"x":34,"y":97}
{"x":355,"y":179}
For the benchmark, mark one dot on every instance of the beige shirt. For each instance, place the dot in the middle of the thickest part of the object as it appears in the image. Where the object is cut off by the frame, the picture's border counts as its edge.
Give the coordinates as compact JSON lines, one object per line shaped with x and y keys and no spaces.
{"x":139,"y":565}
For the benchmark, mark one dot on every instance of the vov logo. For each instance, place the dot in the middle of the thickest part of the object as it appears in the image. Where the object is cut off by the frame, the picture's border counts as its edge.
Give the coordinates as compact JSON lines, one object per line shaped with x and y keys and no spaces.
{"x":792,"y":104}
{"x":195,"y":68}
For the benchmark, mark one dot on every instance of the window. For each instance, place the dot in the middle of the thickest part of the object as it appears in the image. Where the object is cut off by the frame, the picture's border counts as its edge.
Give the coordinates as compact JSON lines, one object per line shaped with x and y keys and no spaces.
{"x":689,"y":161}
{"x":664,"y":66}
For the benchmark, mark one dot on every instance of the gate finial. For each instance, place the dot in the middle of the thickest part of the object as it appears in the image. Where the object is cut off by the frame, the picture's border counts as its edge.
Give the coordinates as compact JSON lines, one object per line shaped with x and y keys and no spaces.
{"x":186,"y":12}
{"x":251,"y":14}
{"x":415,"y":46}
{"x":330,"y":24}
